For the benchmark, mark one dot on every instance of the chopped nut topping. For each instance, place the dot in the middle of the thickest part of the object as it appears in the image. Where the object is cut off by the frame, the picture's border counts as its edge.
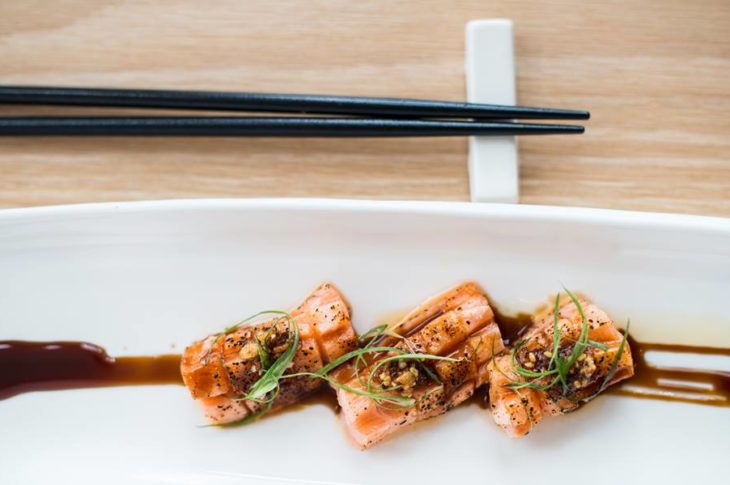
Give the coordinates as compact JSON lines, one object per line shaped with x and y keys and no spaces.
{"x":248,"y":351}
{"x":406,"y":379}
{"x":385,"y":379}
{"x":589,"y":366}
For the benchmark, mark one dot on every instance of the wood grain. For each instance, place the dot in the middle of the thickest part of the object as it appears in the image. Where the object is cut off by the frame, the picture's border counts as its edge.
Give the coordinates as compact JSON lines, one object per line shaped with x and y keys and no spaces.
{"x":654,"y":73}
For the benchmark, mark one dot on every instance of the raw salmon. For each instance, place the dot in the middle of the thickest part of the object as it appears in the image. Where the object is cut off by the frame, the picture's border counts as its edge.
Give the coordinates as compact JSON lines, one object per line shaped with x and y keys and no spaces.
{"x":220,"y":369}
{"x":458,"y":323}
{"x":517,"y":410}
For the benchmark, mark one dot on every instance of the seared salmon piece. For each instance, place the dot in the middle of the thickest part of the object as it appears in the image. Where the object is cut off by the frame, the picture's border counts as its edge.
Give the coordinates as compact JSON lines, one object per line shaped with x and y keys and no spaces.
{"x":458,"y":323}
{"x":221,"y":368}
{"x":518,"y":410}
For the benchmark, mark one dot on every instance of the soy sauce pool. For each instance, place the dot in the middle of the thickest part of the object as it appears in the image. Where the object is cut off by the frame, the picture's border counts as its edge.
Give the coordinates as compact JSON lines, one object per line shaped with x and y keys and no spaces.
{"x":43,"y":366}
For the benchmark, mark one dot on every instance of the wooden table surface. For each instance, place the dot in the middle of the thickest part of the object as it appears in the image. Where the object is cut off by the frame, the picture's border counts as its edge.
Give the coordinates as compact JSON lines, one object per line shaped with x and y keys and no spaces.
{"x":654,"y":73}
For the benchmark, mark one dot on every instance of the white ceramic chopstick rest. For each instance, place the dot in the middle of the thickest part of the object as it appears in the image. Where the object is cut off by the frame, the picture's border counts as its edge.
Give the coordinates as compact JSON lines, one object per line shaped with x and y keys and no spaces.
{"x":490,"y":78}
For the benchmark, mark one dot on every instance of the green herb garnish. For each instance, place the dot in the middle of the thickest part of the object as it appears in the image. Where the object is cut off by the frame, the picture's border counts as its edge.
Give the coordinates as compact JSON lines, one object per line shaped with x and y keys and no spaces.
{"x":614,"y":365}
{"x":380,"y":395}
{"x":232,"y":328}
{"x":251,"y":417}
{"x":369,"y":337}
{"x":269,"y":382}
{"x":267,"y":388}
{"x":559,"y":366}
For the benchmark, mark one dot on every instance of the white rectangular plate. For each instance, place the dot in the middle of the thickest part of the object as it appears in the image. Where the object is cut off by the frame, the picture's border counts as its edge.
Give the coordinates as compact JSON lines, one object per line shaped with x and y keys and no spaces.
{"x":140,"y":278}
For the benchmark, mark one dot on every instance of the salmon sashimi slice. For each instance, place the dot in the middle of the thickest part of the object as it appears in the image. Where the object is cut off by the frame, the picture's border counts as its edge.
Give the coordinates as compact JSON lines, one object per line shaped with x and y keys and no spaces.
{"x":459,"y":324}
{"x":222,"y":368}
{"x":517,"y":407}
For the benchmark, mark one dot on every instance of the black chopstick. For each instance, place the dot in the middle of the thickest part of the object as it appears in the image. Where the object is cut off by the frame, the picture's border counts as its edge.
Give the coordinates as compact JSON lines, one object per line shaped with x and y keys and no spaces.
{"x":266,"y":126}
{"x":289,"y":103}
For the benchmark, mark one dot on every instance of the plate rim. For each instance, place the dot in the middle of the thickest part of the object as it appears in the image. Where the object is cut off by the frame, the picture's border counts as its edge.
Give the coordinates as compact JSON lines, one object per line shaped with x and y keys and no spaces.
{"x":520,"y":212}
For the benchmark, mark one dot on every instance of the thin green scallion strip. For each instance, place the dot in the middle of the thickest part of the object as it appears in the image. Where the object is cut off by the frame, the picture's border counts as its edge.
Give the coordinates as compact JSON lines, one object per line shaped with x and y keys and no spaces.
{"x":248,"y":419}
{"x":377,"y":397}
{"x":554,"y":365}
{"x":597,"y":345}
{"x":556,"y":331}
{"x":380,"y":397}
{"x":614,"y":365}
{"x":558,"y":365}
{"x":582,"y":342}
{"x":372,"y":334}
{"x":267,"y":387}
{"x":556,"y":360}
{"x":270,"y":380}
{"x":526,"y":372}
{"x":431,"y":374}
{"x":377,"y":332}
{"x":354,"y":353}
{"x":262,"y":350}
{"x":416,"y":357}
{"x":516,"y":385}
{"x":232,"y":328}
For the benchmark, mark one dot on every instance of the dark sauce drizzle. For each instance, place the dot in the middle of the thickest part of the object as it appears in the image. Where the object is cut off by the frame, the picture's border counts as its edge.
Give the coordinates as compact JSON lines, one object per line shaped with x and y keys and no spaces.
{"x":650,"y":382}
{"x":46,"y":366}
{"x":512,"y":327}
{"x":42,"y":366}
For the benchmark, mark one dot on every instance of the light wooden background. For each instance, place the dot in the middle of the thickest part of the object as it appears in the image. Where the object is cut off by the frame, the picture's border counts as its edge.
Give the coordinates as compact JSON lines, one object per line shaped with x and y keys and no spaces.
{"x":654,"y":73}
